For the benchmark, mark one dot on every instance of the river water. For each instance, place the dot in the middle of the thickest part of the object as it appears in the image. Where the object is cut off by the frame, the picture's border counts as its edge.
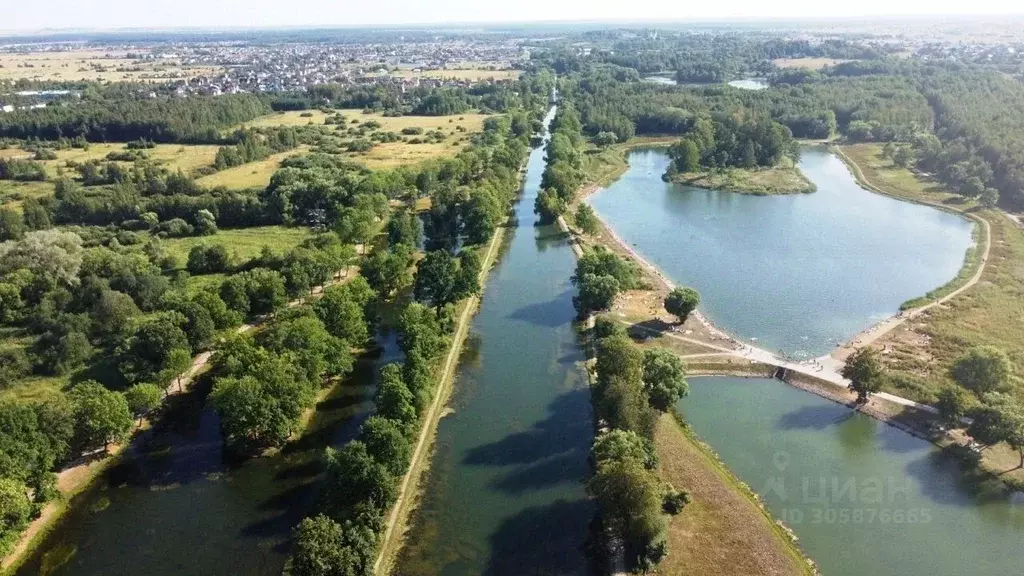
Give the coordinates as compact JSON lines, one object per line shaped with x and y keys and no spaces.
{"x":862,"y":496}
{"x":799,"y":274}
{"x":504,"y":494}
{"x":174,"y":506}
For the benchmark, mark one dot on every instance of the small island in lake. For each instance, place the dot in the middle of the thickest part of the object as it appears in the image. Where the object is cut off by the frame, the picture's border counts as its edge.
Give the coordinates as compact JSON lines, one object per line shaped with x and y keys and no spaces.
{"x":743,"y":156}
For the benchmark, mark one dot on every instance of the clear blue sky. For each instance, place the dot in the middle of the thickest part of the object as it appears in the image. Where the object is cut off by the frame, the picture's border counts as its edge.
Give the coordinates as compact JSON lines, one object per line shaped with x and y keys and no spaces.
{"x":28,"y":15}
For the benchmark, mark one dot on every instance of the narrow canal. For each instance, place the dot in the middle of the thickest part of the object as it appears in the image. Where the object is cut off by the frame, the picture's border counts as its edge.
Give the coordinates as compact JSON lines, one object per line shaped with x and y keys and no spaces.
{"x":862,"y":496}
{"x":800,"y":273}
{"x":174,"y":506}
{"x":505,"y":489}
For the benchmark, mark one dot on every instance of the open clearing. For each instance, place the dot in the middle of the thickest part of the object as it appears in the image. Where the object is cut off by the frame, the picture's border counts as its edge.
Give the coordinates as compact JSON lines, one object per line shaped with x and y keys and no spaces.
{"x":471,"y":122}
{"x":243,"y":242}
{"x":78,"y":65}
{"x":722,"y":530}
{"x":12,"y":193}
{"x":807,"y":63}
{"x":456,"y":128}
{"x":252,"y":175}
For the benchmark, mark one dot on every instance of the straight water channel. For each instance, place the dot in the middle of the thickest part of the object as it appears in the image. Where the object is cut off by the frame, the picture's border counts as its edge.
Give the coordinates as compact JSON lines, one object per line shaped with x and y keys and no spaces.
{"x":798,"y":274}
{"x":505,"y":492}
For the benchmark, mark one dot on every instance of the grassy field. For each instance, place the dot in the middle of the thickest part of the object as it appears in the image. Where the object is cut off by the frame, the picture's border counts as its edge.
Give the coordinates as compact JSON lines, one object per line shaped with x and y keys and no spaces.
{"x":807,"y":63}
{"x":243,"y":242}
{"x":471,"y":122}
{"x":921,"y":353}
{"x":13,"y":193}
{"x":74,"y":65}
{"x":723,"y":531}
{"x":785,"y":178}
{"x":252,"y":175}
{"x":386,"y":155}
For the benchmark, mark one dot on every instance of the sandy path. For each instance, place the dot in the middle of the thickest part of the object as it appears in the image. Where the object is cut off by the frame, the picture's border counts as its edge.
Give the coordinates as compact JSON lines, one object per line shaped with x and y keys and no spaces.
{"x":74,"y":477}
{"x":434,"y":413}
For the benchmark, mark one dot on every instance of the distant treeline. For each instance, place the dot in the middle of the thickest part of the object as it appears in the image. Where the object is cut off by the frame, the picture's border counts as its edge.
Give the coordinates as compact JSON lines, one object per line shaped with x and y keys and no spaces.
{"x":161,"y":119}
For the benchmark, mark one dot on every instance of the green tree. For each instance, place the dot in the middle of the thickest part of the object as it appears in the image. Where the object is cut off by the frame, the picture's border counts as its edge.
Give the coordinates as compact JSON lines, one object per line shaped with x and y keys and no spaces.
{"x":387,"y":444}
{"x":101,"y":416}
{"x":586,"y":220}
{"x":630,"y":499}
{"x":437,"y":276}
{"x":664,"y":378}
{"x":989,"y":197}
{"x":622,"y":446}
{"x":145,"y":354}
{"x":325,"y":548}
{"x":113,"y":313}
{"x":605,"y":139}
{"x":253,"y":414}
{"x":864,"y":371}
{"x":342,"y":315}
{"x":143,"y":398}
{"x":356,"y":478}
{"x":15,"y":511}
{"x":982,"y":369}
{"x":595,"y":293}
{"x":12,"y":227}
{"x":206,"y":224}
{"x":681,"y":302}
{"x":685,"y":156}
{"x":394,"y":400}
{"x":953,"y":404}
{"x":387,"y":271}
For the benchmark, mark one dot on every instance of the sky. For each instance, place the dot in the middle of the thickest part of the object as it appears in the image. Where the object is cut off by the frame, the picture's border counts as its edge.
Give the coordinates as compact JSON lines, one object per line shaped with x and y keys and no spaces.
{"x":29,"y":15}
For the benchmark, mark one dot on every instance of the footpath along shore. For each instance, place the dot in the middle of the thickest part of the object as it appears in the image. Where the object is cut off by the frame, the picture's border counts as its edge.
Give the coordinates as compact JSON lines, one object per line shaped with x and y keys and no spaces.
{"x":825,"y":370}
{"x":79,"y":474}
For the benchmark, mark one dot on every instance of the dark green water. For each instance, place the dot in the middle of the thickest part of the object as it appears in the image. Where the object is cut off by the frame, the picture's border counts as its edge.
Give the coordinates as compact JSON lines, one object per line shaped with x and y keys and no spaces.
{"x":505,"y":493}
{"x":174,"y":506}
{"x":798,"y":273}
{"x":863,"y":497}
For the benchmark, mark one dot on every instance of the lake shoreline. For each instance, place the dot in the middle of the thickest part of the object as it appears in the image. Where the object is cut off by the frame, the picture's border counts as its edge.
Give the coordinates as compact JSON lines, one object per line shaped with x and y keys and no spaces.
{"x":916,"y":422}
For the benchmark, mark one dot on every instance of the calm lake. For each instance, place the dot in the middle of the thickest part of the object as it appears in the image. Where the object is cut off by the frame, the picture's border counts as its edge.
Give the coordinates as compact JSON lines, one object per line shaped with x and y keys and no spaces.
{"x":798,"y":274}
{"x":862,"y":496}
{"x":505,"y":488}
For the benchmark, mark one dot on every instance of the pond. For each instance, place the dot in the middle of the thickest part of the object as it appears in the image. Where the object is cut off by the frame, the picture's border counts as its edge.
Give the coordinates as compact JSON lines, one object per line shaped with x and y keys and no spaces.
{"x":799,"y":274}
{"x":862,"y":496}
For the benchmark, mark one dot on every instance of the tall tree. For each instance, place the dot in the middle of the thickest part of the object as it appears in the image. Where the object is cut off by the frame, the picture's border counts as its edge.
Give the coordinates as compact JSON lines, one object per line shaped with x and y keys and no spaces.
{"x":864,"y":371}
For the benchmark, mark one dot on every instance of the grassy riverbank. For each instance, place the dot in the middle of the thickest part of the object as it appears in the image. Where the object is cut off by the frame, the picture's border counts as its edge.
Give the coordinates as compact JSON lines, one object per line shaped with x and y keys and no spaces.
{"x":725,"y":529}
{"x":409,"y":490}
{"x":920,"y":353}
{"x":785,"y":178}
